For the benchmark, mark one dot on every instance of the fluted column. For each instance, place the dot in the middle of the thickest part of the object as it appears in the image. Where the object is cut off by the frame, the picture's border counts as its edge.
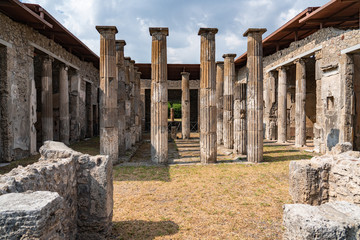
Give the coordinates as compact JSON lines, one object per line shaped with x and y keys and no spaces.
{"x":132,"y":101}
{"x":255,"y":94}
{"x":108,"y":93}
{"x":229,"y":78}
{"x":47,"y":117}
{"x":300,"y":97}
{"x":208,"y":139}
{"x":137,"y":106}
{"x":128,"y":122}
{"x":219,"y":101}
{"x":185,"y":105}
{"x":159,"y":96}
{"x":64,"y":104}
{"x":240,"y":118}
{"x":282,"y":105}
{"x":120,"y":67}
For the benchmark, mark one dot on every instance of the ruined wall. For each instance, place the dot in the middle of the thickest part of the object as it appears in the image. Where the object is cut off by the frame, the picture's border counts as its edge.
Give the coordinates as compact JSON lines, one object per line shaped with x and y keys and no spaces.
{"x":83,"y":181}
{"x":332,"y":74}
{"x":20,"y":76}
{"x":326,"y":178}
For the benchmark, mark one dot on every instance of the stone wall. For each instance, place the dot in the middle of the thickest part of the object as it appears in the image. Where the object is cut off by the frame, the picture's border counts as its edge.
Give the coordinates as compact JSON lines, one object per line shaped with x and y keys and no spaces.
{"x":333,"y":72}
{"x":84,"y":182}
{"x":19,"y":74}
{"x":326,"y":178}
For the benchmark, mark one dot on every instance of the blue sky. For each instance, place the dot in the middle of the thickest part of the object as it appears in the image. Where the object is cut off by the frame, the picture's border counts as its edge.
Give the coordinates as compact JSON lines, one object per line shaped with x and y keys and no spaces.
{"x":183,"y":18}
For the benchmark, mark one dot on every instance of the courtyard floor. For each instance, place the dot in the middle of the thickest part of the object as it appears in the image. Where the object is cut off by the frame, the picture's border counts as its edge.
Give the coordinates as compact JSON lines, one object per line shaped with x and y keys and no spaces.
{"x":232,"y":199}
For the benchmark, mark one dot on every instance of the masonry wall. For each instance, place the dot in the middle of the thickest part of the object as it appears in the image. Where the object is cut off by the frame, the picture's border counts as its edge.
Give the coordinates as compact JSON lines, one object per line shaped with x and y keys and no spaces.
{"x":84,"y":182}
{"x":19,"y":70}
{"x":332,"y":79}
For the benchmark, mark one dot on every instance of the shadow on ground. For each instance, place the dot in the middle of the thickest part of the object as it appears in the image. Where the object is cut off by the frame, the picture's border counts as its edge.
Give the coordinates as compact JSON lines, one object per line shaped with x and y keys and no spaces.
{"x":141,"y":173}
{"x":143,"y":230}
{"x":286,"y":158}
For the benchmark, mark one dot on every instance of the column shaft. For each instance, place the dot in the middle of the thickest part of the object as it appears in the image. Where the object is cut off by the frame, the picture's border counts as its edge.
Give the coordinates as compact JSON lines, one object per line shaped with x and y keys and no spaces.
{"x":219,"y":101}
{"x":121,"y":94}
{"x":229,"y":79}
{"x":64,"y":105}
{"x":108,"y":94}
{"x":47,"y":119}
{"x":159,"y":96}
{"x":240,"y":119}
{"x":255,"y":95}
{"x":208,"y":139}
{"x":185,"y":105}
{"x":300,"y":97}
{"x":282,"y":105}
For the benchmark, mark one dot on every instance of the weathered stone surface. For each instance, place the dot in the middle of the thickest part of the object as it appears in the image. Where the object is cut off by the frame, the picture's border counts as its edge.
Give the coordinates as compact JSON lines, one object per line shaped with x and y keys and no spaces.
{"x":120,"y":67}
{"x":282,"y":105}
{"x":159,"y":96}
{"x":336,"y":220}
{"x":32,"y":215}
{"x":300,"y":102}
{"x":326,"y":178}
{"x":109,"y":133}
{"x":185,"y":105}
{"x":208,"y":139}
{"x":83,"y":181}
{"x":240,"y":118}
{"x":228,"y":98}
{"x":254,"y":94}
{"x":219,"y":101}
{"x":341,"y":148}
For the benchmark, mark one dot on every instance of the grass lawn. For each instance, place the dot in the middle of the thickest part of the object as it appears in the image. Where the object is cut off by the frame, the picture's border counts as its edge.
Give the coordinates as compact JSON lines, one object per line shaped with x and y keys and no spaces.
{"x":222,"y":201}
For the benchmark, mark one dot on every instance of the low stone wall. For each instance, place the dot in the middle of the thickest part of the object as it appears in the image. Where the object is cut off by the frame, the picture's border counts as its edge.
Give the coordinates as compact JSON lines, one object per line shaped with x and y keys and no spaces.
{"x":332,"y":183}
{"x":84,"y":182}
{"x":326,"y":178}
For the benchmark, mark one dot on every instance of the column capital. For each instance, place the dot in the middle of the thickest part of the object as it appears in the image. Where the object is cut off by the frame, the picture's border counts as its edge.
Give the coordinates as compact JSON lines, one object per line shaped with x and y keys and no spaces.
{"x":185,"y":73}
{"x":64,"y":66}
{"x":219,"y":63}
{"x":299,"y":60}
{"x":127,"y":58}
{"x":138,"y":73}
{"x":282,"y":68}
{"x":260,"y":31}
{"x":120,"y":43}
{"x":132,"y":61}
{"x":229,"y":55}
{"x":203,"y":31}
{"x":159,"y":30}
{"x":106,"y":29}
{"x":136,"y":68}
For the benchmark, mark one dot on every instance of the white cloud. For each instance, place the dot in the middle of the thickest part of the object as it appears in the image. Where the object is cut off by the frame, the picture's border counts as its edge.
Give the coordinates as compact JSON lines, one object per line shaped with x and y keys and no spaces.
{"x":286,"y":16}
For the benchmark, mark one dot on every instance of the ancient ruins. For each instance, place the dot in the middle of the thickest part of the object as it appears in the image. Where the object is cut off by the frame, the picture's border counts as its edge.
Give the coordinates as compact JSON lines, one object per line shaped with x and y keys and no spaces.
{"x":298,"y":86}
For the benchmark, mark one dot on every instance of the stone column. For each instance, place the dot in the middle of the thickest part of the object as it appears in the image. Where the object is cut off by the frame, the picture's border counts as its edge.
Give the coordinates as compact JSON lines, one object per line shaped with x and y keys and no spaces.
{"x":300,"y":97}
{"x":159,"y":96}
{"x":142,"y":97}
{"x":138,"y":106}
{"x":219,"y":101}
{"x":132,"y":101}
{"x":64,"y":104}
{"x":240,"y":118}
{"x":127,"y":104}
{"x":282,"y":105}
{"x":185,"y":105}
{"x":229,"y":79}
{"x":121,"y":93}
{"x":255,"y":94}
{"x":208,"y":139}
{"x":75,"y":83}
{"x":108,"y":93}
{"x":47,"y":117}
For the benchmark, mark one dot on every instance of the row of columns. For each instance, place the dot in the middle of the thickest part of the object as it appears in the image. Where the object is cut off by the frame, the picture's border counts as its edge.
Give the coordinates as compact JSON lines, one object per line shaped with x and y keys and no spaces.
{"x":47,"y":118}
{"x":210,"y":95}
{"x":120,"y":98}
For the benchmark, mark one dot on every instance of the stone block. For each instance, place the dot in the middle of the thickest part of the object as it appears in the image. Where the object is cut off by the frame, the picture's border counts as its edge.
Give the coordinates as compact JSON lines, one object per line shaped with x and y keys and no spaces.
{"x":335,"y":220}
{"x":32,"y":215}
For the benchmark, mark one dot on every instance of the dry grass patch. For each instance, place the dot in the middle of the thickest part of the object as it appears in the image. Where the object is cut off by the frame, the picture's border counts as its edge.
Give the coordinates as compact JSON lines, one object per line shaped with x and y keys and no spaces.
{"x":223,"y":201}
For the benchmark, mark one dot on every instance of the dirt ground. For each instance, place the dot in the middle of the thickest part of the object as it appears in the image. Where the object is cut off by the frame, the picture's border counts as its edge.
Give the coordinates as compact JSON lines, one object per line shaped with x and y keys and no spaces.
{"x":186,"y":200}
